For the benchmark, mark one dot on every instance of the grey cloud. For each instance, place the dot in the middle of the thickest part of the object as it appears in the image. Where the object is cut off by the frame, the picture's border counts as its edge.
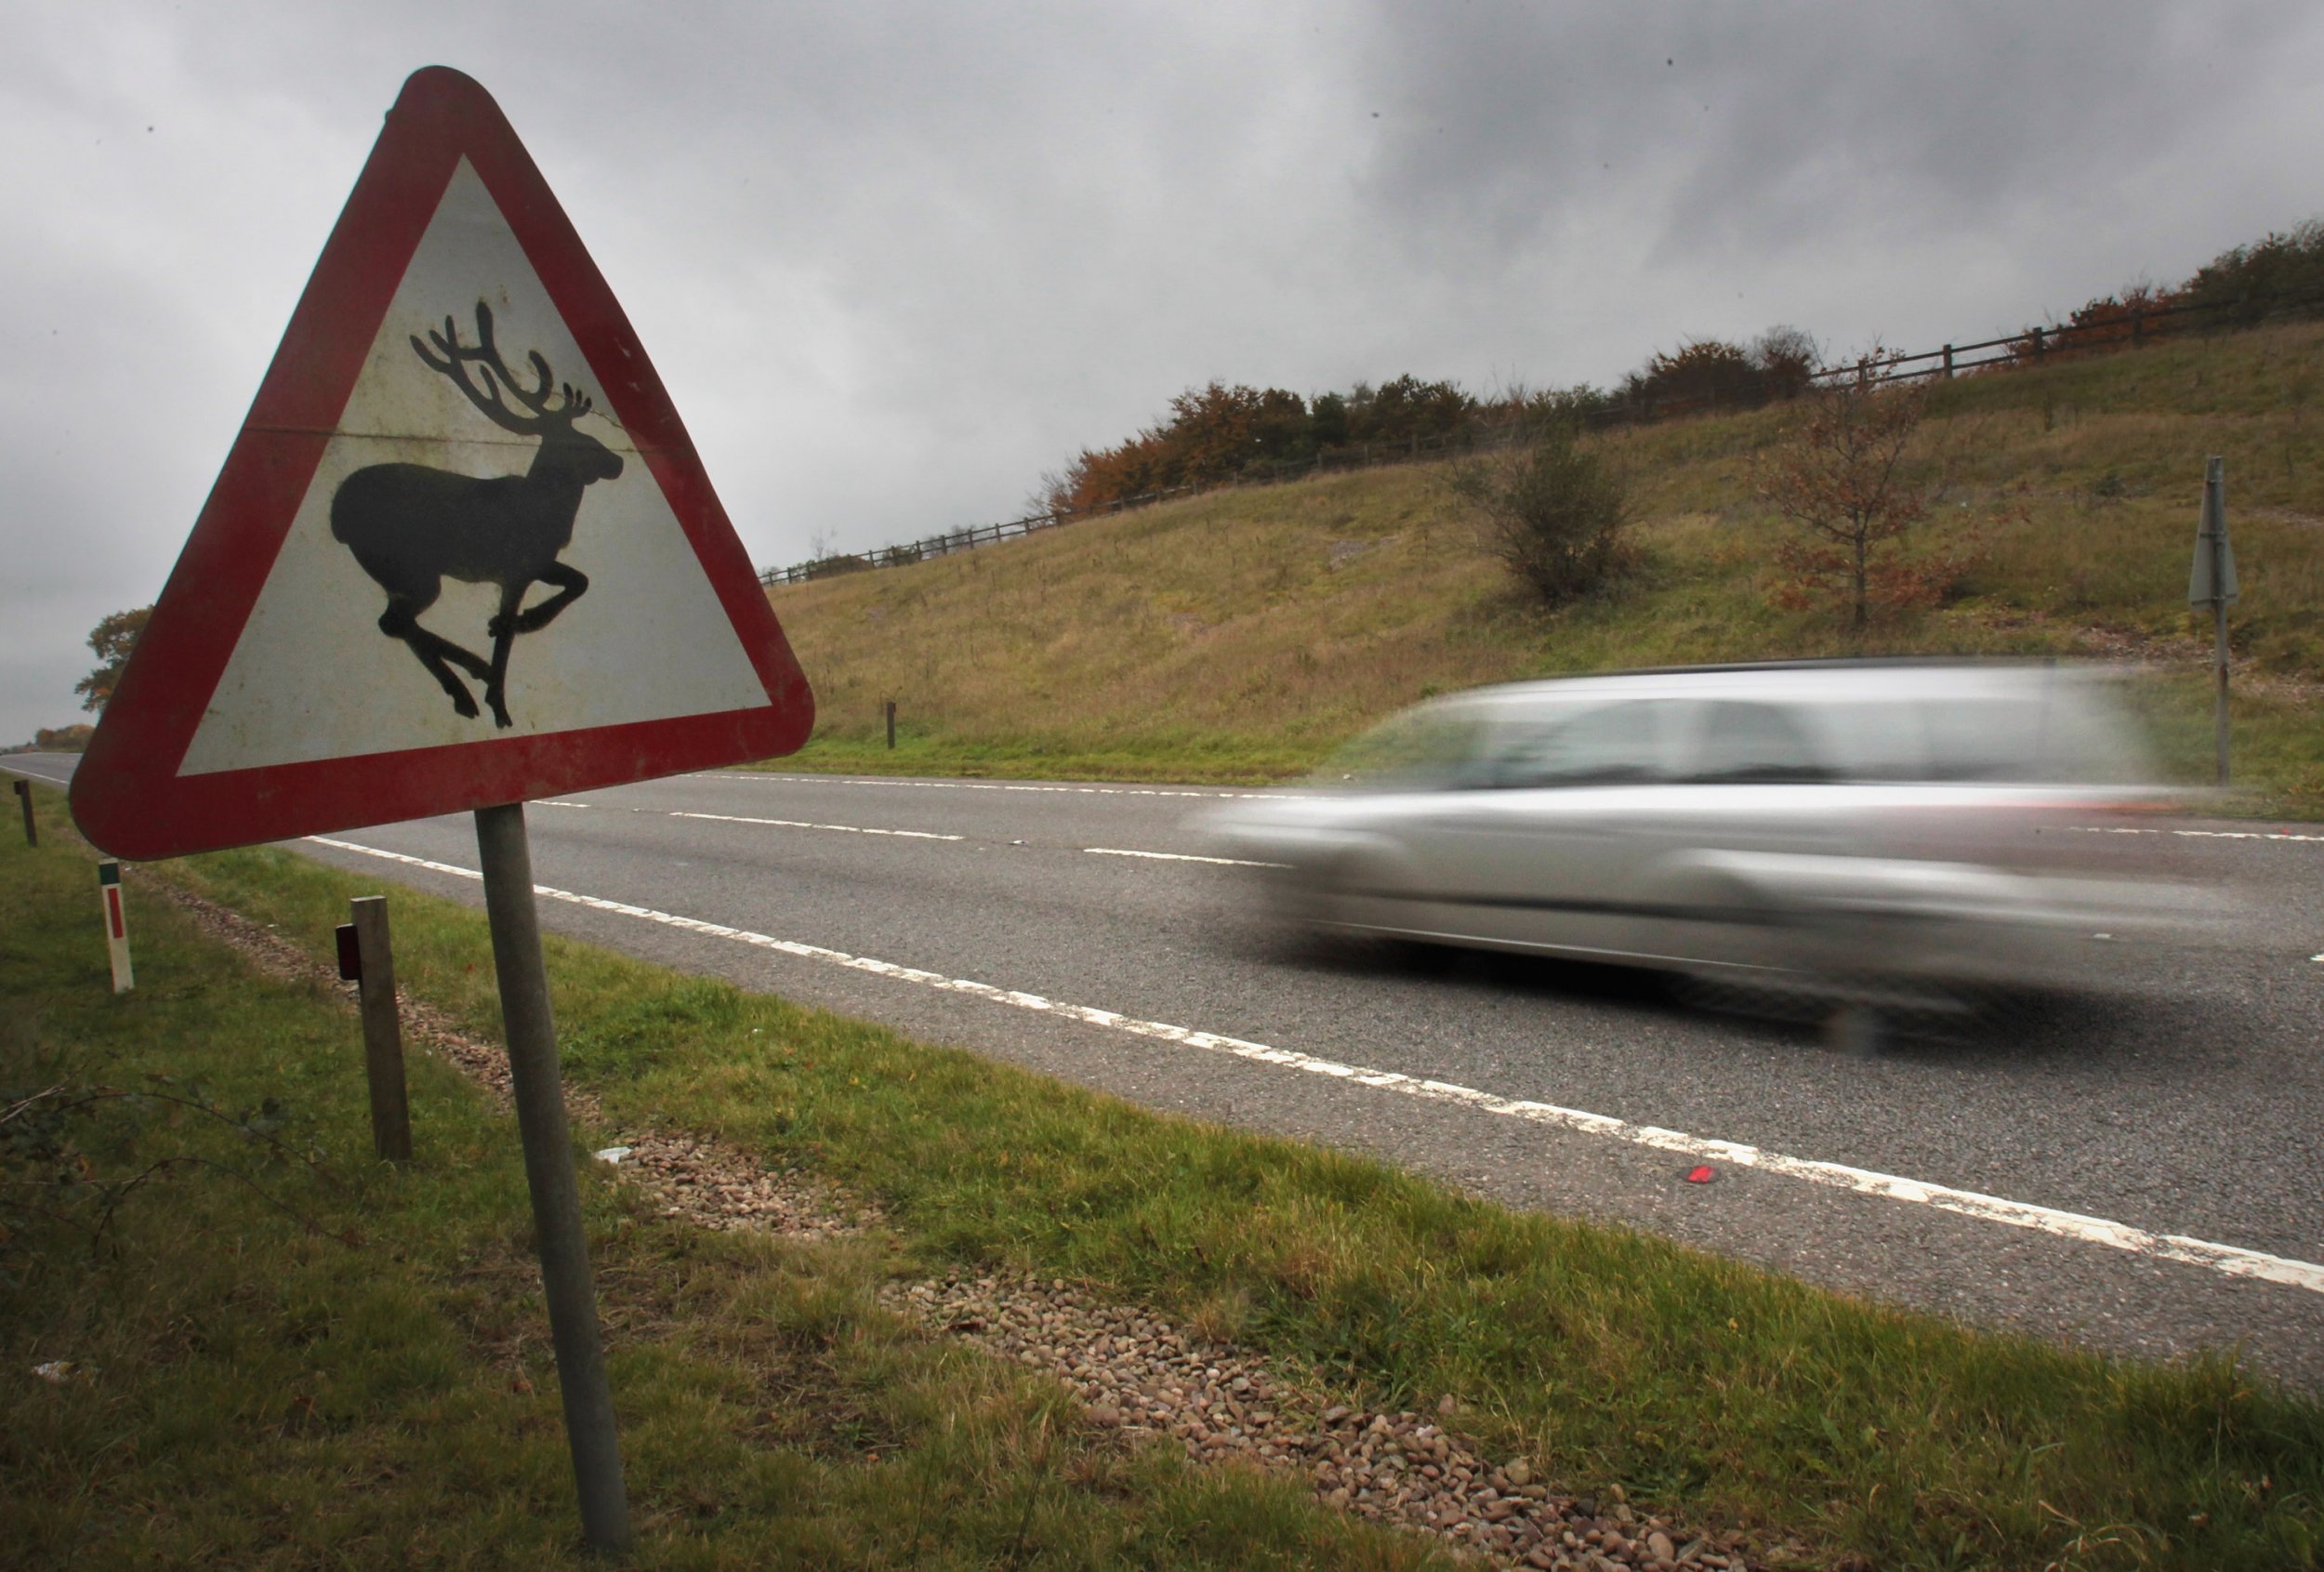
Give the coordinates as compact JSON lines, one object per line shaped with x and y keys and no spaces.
{"x":893,"y":261}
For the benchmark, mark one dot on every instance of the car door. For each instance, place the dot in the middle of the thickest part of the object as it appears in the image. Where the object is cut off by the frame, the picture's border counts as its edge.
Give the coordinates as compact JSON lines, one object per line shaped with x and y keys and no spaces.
{"x":1541,"y":853}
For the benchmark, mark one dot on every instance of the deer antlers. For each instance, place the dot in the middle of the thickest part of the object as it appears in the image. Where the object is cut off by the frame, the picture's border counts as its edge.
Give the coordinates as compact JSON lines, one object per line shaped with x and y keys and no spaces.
{"x":451,"y":357}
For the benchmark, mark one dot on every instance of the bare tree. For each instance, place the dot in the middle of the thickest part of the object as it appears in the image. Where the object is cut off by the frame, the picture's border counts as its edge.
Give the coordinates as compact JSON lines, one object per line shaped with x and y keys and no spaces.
{"x":1842,"y":476}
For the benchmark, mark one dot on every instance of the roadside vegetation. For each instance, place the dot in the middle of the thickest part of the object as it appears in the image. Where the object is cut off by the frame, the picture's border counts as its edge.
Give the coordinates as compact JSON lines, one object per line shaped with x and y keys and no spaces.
{"x":367,"y":1382}
{"x":263,"y":1363}
{"x":1241,"y":635}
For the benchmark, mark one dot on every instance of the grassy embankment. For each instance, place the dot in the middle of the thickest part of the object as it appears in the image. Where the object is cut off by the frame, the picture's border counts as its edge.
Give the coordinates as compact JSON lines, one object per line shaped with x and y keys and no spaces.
{"x":272,"y":1397}
{"x":1241,"y":635}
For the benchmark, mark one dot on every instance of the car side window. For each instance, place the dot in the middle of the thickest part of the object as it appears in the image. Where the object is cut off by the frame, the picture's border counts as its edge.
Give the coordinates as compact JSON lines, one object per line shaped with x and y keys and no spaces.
{"x":1756,"y":742}
{"x":1607,"y":745}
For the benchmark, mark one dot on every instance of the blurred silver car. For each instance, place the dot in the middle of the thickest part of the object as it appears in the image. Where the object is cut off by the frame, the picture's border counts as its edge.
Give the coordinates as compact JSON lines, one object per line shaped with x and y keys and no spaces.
{"x":1872,"y":827}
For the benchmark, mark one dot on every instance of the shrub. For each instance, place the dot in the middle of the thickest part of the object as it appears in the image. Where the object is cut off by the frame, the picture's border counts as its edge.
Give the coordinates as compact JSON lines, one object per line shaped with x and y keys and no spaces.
{"x":1551,"y":510}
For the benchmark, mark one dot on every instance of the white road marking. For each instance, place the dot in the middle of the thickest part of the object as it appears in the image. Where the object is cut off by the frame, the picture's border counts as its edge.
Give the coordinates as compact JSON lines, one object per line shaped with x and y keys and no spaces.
{"x":1180,"y":857}
{"x":2227,"y":1259}
{"x":994,"y":786}
{"x":800,"y":823}
{"x":52,"y":780}
{"x":2199,"y":834}
{"x":554,"y":802}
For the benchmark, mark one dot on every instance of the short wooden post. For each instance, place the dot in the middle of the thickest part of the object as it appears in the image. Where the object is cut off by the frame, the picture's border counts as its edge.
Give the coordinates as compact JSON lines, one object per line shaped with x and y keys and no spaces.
{"x":367,"y":960}
{"x":32,"y":830}
{"x":1949,"y":363}
{"x":891,"y":723}
{"x":116,"y":925}
{"x":2041,"y":343}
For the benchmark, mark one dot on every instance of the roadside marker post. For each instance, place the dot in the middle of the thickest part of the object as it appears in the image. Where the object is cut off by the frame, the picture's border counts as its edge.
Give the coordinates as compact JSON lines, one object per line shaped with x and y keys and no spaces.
{"x":116,"y":924}
{"x":24,"y":795}
{"x":367,"y":960}
{"x":285,"y":685}
{"x":2213,"y":583}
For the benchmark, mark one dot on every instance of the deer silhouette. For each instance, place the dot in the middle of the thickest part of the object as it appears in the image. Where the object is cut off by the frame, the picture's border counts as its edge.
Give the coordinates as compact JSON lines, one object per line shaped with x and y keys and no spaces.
{"x":411,"y":527}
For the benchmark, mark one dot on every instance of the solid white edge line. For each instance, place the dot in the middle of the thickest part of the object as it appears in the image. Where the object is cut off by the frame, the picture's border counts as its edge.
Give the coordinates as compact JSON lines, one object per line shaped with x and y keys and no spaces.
{"x":2198,"y":833}
{"x":2227,"y":1259}
{"x":1180,"y":857}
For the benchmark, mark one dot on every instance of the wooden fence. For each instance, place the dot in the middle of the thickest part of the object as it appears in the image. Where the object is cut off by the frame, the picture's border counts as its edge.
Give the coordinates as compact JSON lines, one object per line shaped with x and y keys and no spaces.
{"x":2137,"y":326}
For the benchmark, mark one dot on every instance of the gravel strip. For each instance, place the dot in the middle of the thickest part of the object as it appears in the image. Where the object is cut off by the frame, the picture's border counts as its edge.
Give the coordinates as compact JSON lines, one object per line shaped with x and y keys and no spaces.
{"x":1141,"y":1377}
{"x":702,"y":1181}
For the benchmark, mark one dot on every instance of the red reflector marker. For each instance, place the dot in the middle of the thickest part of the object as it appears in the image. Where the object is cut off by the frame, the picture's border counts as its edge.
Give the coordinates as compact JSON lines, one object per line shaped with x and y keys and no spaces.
{"x":1702,"y":1175}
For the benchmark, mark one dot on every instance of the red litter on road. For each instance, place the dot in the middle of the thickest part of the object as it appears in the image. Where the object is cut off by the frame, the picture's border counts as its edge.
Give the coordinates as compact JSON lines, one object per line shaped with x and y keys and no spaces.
{"x":1702,"y":1175}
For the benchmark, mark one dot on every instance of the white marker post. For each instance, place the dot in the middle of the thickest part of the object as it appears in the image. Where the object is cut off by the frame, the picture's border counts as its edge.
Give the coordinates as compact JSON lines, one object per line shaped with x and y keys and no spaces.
{"x":2213,"y":584}
{"x":116,"y":924}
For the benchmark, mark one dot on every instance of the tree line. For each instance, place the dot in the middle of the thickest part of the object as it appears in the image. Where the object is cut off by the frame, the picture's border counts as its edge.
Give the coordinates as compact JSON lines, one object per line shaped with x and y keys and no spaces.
{"x":1223,"y":432}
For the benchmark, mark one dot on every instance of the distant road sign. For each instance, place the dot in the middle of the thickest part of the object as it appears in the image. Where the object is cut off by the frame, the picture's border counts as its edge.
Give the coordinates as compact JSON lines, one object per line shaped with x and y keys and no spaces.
{"x":462,"y":553}
{"x":2212,"y":580}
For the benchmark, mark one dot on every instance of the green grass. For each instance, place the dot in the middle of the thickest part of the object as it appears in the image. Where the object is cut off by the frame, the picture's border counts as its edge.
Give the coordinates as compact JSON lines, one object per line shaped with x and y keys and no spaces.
{"x":377,"y":1391}
{"x":1243,"y":634}
{"x":1717,"y":1392}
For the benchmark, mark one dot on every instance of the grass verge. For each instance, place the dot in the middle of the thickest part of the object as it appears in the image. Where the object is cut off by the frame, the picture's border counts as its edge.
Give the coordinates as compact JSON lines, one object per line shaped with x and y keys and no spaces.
{"x":1243,"y":634}
{"x":368,"y":1383}
{"x":1713,"y":1390}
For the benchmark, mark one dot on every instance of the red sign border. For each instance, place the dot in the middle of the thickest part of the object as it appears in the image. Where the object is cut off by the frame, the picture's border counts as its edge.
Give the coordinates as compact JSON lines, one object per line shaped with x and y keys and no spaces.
{"x":128,"y":797}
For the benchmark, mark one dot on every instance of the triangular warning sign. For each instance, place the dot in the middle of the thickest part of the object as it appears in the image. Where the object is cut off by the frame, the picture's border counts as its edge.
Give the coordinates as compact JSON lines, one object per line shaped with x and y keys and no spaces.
{"x":462,"y":552}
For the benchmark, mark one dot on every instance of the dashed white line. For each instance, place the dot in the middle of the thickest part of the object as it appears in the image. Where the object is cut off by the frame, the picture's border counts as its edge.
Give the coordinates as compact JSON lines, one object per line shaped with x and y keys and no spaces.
{"x":801,"y":823}
{"x":2227,"y":1259}
{"x":1180,"y":857}
{"x":994,"y":785}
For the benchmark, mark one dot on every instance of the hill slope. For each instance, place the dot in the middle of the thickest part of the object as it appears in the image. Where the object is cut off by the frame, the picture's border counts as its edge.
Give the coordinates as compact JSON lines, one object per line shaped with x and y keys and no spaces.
{"x":1241,"y":635}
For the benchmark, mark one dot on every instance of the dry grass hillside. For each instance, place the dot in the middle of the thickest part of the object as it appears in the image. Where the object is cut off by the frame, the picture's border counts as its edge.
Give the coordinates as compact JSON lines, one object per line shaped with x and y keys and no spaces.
{"x":1241,"y":635}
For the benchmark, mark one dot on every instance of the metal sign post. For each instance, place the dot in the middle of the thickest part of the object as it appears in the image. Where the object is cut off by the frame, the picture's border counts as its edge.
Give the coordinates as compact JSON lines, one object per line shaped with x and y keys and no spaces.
{"x":507,"y":860}
{"x":2213,"y":583}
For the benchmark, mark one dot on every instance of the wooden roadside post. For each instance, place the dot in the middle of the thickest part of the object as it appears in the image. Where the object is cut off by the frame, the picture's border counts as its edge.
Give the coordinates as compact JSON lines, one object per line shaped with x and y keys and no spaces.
{"x":367,"y":960}
{"x":2213,"y":583}
{"x":24,"y":795}
{"x":891,"y":724}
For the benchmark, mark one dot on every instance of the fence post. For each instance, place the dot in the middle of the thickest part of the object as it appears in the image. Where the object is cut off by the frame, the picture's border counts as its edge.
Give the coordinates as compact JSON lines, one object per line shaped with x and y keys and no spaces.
{"x":32,"y":830}
{"x":2041,"y":344}
{"x":891,"y":724}
{"x":1949,"y":363}
{"x":2138,"y":327}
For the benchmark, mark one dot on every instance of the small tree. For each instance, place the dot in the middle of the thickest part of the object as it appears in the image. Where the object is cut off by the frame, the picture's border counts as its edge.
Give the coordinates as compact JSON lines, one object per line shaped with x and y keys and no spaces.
{"x":112,"y":640}
{"x":1551,"y":510}
{"x":1841,"y":475}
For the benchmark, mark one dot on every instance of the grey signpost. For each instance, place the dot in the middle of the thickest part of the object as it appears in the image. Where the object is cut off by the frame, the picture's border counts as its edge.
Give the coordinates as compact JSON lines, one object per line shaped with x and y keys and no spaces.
{"x":2213,"y":584}
{"x":539,"y":1090}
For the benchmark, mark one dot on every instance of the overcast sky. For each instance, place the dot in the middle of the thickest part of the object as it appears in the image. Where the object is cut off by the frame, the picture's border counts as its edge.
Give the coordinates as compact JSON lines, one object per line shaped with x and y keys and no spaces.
{"x":895,"y":261}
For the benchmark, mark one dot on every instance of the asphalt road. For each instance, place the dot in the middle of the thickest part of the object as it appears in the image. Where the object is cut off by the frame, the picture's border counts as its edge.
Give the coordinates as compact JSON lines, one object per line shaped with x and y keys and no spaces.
{"x":2186,"y":1107}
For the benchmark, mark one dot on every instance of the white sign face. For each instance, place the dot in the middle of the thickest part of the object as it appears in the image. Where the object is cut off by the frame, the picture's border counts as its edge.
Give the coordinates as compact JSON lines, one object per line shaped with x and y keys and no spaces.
{"x":377,"y":630}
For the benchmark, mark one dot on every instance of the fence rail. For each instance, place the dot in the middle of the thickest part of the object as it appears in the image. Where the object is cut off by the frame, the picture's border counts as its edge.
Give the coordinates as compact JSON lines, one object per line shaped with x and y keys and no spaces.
{"x":2137,"y":326}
